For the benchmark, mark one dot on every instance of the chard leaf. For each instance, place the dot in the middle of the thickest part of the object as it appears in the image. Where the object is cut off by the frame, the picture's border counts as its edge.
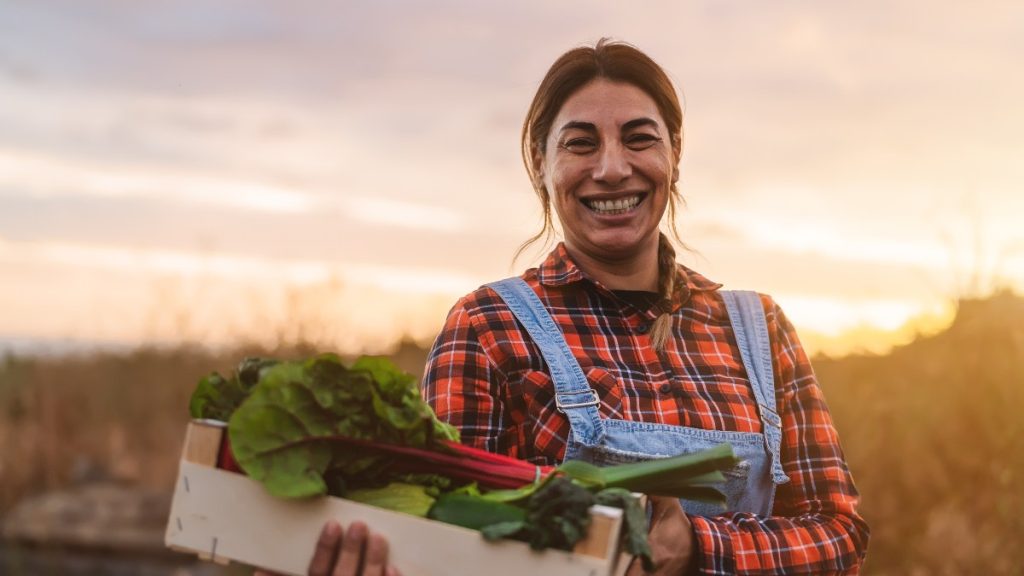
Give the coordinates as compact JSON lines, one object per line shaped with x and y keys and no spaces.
{"x":555,"y":515}
{"x":501,"y":530}
{"x":558,"y":515}
{"x":398,"y":496}
{"x":282,"y":434}
{"x":474,"y":512}
{"x":634,"y":518}
{"x":205,"y":395}
{"x":517,"y":495}
{"x":216,"y":397}
{"x":269,"y":434}
{"x":250,"y":369}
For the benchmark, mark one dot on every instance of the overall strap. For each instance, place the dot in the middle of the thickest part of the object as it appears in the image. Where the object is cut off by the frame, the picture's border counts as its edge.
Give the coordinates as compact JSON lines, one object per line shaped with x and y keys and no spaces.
{"x":573,"y":395}
{"x":751,"y":329}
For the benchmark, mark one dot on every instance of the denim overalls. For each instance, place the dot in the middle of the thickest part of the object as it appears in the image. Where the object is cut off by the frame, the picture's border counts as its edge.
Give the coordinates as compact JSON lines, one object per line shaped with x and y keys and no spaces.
{"x":749,"y":487}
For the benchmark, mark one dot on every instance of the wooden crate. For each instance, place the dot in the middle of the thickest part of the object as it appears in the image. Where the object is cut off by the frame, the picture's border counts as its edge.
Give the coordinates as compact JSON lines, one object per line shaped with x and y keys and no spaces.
{"x":226,"y":517}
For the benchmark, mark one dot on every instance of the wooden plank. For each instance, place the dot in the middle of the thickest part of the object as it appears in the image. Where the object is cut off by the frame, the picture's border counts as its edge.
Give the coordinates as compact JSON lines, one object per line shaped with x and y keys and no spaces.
{"x":228,"y":516}
{"x":603,"y":535}
{"x":624,"y":559}
{"x":202,"y":442}
{"x":622,"y":564}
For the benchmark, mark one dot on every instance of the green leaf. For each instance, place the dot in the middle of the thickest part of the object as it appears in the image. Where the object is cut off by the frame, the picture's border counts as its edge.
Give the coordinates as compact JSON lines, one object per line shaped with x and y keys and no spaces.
{"x":517,"y":495}
{"x":635,"y":522}
{"x":474,"y":512}
{"x":558,"y":514}
{"x":270,"y":435}
{"x":216,"y":397}
{"x":249,"y":370}
{"x":670,"y":476}
{"x":688,"y":476}
{"x":501,"y":530}
{"x":390,"y":379}
{"x":281,"y":434}
{"x":707,"y":494}
{"x":584,"y":473}
{"x":207,"y":393}
{"x":400,"y":497}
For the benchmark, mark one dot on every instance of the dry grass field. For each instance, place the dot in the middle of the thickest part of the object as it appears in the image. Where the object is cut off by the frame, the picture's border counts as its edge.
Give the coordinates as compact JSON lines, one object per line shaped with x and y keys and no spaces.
{"x":933,"y":432}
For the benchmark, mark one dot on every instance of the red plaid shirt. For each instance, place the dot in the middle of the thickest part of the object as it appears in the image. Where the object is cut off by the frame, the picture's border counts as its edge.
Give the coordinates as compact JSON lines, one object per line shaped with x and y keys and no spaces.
{"x":486,"y":377}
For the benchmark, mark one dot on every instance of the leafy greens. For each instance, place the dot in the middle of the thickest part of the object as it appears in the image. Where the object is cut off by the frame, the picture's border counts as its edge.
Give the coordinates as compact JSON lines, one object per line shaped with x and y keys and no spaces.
{"x":313,"y":427}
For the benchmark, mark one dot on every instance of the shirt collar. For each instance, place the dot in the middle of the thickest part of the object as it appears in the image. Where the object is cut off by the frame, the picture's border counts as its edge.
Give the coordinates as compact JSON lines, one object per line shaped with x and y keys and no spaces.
{"x":559,"y":269}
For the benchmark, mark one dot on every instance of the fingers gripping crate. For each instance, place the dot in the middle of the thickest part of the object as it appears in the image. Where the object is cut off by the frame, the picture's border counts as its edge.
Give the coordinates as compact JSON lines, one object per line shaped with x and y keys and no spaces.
{"x":226,"y":517}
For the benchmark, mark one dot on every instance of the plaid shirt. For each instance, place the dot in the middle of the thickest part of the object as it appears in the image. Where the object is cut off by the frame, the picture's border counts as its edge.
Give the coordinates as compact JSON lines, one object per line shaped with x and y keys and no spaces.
{"x":486,"y":377}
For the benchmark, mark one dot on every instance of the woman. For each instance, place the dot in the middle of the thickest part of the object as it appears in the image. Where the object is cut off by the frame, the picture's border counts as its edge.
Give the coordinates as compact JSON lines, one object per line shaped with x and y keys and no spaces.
{"x":611,"y":351}
{"x":649,"y":358}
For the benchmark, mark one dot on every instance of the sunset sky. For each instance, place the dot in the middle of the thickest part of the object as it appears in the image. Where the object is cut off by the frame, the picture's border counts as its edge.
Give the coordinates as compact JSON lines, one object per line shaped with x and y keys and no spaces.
{"x":345,"y":170}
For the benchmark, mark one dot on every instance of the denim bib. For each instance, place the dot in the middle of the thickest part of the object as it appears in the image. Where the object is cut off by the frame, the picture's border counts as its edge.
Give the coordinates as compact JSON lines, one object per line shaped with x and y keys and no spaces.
{"x":749,"y":486}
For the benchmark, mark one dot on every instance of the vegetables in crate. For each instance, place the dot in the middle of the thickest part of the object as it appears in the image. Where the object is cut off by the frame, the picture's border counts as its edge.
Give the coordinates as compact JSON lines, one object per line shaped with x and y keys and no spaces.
{"x":317,"y":426}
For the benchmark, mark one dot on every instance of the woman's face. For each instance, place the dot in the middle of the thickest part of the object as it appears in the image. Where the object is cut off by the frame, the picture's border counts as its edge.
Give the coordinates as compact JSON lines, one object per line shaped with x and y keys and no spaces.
{"x":609,"y":167}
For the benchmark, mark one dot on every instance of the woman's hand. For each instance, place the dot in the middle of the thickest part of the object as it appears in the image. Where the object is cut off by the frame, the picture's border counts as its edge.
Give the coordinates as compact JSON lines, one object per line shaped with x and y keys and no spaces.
{"x":671,"y":540}
{"x":352,"y":552}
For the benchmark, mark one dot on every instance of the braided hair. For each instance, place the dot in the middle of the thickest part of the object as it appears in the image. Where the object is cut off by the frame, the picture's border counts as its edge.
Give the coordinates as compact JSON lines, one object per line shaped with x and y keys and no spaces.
{"x":662,"y":327}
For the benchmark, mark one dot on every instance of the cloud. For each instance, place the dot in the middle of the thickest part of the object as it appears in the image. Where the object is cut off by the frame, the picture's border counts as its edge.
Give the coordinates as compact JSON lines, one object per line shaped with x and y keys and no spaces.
{"x":403,"y":214}
{"x":155,"y":262}
{"x":329,"y":234}
{"x":823,"y":141}
{"x":35,"y":175}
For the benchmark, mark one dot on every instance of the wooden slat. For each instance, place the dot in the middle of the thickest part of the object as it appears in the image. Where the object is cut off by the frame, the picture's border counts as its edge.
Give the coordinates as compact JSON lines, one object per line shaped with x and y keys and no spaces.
{"x":228,"y":516}
{"x":202,"y":442}
{"x":603,"y":534}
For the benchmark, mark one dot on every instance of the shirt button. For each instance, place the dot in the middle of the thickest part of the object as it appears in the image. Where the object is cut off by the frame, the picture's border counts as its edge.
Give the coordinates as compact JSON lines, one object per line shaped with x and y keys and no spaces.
{"x":643,"y":328}
{"x":665,"y":388}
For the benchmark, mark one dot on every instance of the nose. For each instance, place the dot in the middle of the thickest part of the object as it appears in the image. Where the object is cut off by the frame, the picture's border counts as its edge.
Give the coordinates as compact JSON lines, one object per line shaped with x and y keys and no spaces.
{"x":612,"y":164}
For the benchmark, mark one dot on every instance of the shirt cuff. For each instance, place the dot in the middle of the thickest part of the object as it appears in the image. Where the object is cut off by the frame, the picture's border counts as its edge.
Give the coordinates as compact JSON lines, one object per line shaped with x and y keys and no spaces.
{"x":712,"y":548}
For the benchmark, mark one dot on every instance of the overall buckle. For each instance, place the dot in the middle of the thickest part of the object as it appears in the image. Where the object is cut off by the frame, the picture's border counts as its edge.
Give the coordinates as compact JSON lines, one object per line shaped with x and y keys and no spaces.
{"x":562,"y":407}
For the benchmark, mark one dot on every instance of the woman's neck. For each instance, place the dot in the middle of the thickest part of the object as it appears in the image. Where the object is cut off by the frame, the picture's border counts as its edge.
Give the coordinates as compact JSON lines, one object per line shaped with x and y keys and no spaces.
{"x":636,"y":272}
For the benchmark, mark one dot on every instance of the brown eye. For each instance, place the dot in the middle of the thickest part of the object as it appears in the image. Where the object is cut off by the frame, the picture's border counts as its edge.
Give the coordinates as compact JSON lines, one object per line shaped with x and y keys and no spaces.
{"x":580,"y":145}
{"x":642,"y":141}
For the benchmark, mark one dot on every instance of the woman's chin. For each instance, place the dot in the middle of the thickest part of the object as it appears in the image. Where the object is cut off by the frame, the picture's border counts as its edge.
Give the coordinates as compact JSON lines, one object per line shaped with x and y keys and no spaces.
{"x":615,"y":247}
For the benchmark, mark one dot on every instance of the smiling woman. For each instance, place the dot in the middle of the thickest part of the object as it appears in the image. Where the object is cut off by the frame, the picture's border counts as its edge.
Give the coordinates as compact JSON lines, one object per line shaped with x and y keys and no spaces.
{"x":610,"y":351}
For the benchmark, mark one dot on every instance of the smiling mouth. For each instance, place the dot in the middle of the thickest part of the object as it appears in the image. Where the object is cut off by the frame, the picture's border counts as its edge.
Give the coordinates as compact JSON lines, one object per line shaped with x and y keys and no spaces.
{"x":616,"y":206}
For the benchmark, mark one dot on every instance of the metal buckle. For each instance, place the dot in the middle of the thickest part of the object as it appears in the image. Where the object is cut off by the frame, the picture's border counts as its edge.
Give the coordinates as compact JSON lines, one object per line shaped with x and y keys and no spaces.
{"x":594,"y":401}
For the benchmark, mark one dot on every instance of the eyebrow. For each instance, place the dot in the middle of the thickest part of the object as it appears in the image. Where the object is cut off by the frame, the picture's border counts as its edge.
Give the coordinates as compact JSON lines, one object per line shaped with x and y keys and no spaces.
{"x":578,"y":125}
{"x":589,"y":127}
{"x":640,"y":122}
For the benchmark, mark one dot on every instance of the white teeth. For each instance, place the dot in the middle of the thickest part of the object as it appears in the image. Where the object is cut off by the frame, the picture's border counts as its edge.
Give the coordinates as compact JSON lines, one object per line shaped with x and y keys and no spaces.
{"x":608,"y":206}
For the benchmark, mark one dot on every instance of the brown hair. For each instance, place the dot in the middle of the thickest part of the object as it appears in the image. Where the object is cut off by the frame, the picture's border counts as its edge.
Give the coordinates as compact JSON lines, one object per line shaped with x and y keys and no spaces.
{"x":619,"y":62}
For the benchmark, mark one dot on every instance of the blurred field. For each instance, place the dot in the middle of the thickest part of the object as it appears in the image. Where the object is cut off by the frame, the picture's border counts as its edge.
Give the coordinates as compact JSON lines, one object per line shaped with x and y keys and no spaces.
{"x":933,"y":432}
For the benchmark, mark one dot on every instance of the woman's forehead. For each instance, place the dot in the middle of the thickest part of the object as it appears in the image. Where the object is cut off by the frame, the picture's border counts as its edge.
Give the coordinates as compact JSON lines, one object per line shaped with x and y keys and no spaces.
{"x":606,"y":103}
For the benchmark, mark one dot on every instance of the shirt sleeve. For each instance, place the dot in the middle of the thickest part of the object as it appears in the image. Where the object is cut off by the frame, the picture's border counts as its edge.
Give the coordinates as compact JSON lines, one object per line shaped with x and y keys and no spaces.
{"x":814,"y":527}
{"x":461,"y":382}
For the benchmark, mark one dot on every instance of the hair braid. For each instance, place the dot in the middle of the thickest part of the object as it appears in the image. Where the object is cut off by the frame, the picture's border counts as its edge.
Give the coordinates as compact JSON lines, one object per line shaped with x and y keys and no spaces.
{"x":666,"y":285}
